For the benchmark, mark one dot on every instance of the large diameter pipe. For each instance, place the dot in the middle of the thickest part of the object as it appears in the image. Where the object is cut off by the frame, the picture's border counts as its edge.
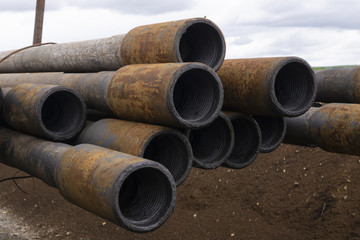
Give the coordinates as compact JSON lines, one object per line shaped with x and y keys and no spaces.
{"x":133,"y":192}
{"x":53,"y":112}
{"x":213,"y":144}
{"x":341,"y":85}
{"x":164,"y":145}
{"x":184,"y":95}
{"x":189,"y":40}
{"x":281,"y":86}
{"x":334,"y":127}
{"x":273,"y":130}
{"x":247,"y":140}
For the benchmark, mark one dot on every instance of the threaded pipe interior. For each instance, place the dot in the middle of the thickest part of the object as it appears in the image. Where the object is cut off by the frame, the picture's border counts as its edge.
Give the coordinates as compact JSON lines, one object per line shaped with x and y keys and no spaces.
{"x":145,"y":197}
{"x":202,"y":42}
{"x":171,"y":151}
{"x":211,"y":145}
{"x":295,"y":88}
{"x":247,"y":143}
{"x":272,"y":131}
{"x":197,"y":97}
{"x":63,"y":114}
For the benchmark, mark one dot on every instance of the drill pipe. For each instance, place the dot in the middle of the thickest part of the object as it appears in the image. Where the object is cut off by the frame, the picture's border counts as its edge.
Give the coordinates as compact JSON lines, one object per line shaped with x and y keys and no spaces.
{"x":189,"y":40}
{"x":164,"y":145}
{"x":341,"y":85}
{"x":273,"y":131}
{"x":334,"y":127}
{"x":133,"y":192}
{"x":53,"y":112}
{"x":213,"y":144}
{"x":184,"y":95}
{"x":247,"y":140}
{"x":282,"y":86}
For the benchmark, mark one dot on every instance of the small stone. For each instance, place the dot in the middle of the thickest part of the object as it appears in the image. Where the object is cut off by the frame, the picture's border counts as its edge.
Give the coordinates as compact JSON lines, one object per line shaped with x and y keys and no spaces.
{"x":345,"y":197}
{"x":233,"y":234}
{"x":195,"y":215}
{"x":284,"y":170}
{"x":345,"y":188}
{"x":68,"y":233}
{"x":104,"y":223}
{"x":296,"y":183}
{"x":297,"y":151}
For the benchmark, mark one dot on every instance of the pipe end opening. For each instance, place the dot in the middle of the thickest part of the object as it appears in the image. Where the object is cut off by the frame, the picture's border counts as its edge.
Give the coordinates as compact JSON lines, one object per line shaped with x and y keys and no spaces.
{"x":273,"y":131}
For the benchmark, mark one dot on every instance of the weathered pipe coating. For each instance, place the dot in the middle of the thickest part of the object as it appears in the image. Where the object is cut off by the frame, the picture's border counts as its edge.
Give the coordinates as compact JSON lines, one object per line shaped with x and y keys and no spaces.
{"x":164,"y":145}
{"x":188,"y":40}
{"x":53,"y":112}
{"x":184,"y":95}
{"x":281,"y":86}
{"x":213,"y":144}
{"x":334,"y":127}
{"x":341,"y":85}
{"x":273,"y":130}
{"x":247,"y":140}
{"x":133,"y":192}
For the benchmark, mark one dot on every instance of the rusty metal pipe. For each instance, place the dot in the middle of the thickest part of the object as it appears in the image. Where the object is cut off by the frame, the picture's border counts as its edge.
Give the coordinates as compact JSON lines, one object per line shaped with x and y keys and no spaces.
{"x":281,"y":86}
{"x":53,"y":112}
{"x":213,"y":144}
{"x":334,"y":127}
{"x":341,"y":85}
{"x":133,"y":192}
{"x":247,"y":140}
{"x":273,"y":131}
{"x":184,"y":95}
{"x":164,"y":145}
{"x":189,"y":40}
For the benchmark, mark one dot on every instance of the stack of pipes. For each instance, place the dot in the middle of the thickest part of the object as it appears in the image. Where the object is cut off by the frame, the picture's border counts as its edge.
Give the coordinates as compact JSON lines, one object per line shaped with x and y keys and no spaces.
{"x":334,"y":124}
{"x":157,"y":94}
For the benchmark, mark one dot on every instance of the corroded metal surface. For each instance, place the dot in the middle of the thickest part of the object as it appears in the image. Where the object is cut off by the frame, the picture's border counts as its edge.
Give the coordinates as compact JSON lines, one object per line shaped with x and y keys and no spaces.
{"x":334,"y":127}
{"x":281,"y":86}
{"x":247,"y":140}
{"x":338,"y":85}
{"x":213,"y":144}
{"x":49,"y":111}
{"x":130,"y":191}
{"x":188,"y":40}
{"x":164,"y":145}
{"x":172,"y":94}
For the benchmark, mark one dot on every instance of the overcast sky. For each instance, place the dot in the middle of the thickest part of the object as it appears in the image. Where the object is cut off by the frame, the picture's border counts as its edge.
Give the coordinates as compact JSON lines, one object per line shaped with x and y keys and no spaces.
{"x":323,"y":32}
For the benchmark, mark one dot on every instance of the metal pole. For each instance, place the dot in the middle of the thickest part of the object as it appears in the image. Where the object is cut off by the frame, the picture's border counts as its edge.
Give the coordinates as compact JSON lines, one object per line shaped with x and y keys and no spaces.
{"x":39,"y":17}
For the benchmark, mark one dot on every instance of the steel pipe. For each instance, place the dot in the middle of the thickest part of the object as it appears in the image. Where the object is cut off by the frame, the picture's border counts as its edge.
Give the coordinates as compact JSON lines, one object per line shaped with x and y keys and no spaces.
{"x":282,"y":86}
{"x":334,"y":127}
{"x":273,"y":130}
{"x":133,"y":192}
{"x":213,"y":144}
{"x":184,"y":95}
{"x":247,"y":140}
{"x":189,"y":40}
{"x":53,"y":112}
{"x":341,"y":85}
{"x":164,"y":145}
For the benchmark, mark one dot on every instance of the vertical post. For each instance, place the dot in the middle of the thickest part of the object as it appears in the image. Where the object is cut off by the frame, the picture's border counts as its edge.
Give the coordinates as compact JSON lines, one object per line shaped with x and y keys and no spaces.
{"x":39,"y":17}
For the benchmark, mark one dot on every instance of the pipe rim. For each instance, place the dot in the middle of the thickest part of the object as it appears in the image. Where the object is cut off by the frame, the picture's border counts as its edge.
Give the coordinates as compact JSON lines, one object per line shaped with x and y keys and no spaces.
{"x":273,"y":130}
{"x":191,"y":111}
{"x":71,"y":122}
{"x":251,"y":141}
{"x":181,"y":169}
{"x":217,"y":154}
{"x":294,"y":96}
{"x":165,"y":206}
{"x":211,"y":38}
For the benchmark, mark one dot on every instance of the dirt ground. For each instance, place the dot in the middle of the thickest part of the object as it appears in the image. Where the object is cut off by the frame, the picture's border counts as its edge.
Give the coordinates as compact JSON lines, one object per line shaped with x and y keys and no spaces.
{"x":291,"y":193}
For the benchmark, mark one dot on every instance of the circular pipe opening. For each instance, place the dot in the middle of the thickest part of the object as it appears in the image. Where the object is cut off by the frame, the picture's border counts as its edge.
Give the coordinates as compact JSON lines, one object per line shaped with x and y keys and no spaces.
{"x":63,"y":115}
{"x":197,"y":97}
{"x":146,"y":199}
{"x":247,"y":143}
{"x":202,"y":42}
{"x":173,"y":151}
{"x":295,"y":88}
{"x":213,"y":144}
{"x":273,"y":131}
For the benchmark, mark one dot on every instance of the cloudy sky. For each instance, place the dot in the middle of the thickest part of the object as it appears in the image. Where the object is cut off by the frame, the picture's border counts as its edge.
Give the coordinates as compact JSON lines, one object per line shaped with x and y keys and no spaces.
{"x":323,"y":32}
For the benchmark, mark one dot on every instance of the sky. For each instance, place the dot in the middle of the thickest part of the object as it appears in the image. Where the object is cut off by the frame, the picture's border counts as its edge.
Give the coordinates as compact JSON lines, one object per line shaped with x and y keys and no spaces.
{"x":323,"y":32}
